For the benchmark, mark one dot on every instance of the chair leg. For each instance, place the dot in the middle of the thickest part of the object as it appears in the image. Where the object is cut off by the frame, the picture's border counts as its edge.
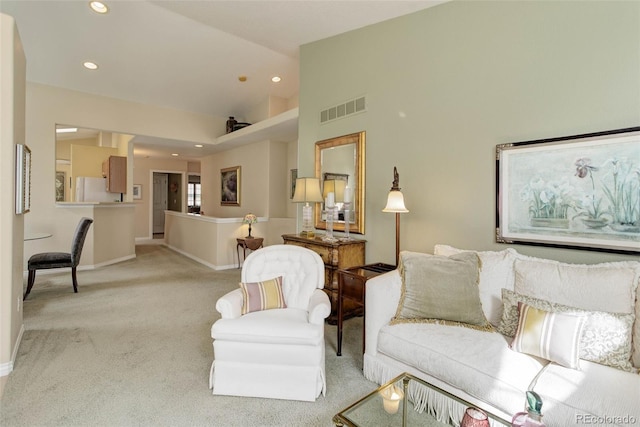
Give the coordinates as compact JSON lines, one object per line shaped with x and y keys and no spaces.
{"x":75,"y":279}
{"x":30,"y":281}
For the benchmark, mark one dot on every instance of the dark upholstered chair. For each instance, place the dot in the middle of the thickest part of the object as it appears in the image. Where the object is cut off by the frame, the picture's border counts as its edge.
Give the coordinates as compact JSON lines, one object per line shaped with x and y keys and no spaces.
{"x":48,"y":260}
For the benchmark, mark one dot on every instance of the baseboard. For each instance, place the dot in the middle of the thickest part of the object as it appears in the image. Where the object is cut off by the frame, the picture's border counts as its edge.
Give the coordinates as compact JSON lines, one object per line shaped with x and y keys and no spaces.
{"x":111,"y":261}
{"x":6,"y":368}
{"x":199,"y":260}
{"x":148,"y":241}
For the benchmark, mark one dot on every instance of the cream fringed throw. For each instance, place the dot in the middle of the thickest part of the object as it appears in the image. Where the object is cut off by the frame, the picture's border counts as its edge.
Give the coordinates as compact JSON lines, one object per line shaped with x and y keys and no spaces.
{"x":440,"y":289}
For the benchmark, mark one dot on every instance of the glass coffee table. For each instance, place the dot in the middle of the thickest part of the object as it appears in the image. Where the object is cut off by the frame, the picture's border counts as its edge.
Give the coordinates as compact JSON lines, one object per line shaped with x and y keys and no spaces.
{"x":389,"y":405}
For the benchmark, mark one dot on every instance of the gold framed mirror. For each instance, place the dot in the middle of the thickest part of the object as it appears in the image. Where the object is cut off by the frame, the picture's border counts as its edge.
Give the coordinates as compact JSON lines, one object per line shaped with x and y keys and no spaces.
{"x":340,"y":167}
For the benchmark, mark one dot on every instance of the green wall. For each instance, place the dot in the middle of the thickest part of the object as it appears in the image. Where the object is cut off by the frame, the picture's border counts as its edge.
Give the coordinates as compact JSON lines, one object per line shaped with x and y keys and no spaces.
{"x":445,"y":85}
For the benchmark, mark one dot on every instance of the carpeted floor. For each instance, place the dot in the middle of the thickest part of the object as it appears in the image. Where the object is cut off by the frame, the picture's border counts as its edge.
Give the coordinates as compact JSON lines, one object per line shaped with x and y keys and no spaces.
{"x":133,"y":348}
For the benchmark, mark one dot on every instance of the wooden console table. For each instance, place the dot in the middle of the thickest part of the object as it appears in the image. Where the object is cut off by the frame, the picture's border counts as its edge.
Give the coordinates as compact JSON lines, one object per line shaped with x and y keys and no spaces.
{"x":335,"y":255}
{"x":352,"y":287}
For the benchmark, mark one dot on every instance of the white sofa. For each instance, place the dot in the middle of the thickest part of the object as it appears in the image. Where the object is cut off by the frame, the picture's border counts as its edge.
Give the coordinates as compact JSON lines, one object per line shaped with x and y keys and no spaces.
{"x":481,"y":368}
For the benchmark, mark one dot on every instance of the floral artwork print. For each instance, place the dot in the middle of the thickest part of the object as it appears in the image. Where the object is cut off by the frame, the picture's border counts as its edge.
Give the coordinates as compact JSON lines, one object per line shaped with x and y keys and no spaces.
{"x":574,"y":191}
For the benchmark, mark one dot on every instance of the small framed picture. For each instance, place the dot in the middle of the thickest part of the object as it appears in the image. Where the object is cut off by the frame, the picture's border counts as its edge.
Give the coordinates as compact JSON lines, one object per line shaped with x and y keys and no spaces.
{"x":294,"y":176}
{"x":230,"y":186}
{"x":137,"y":191}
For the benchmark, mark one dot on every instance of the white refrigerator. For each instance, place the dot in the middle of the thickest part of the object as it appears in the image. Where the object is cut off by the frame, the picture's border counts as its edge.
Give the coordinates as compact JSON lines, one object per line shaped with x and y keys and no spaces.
{"x":90,"y":189}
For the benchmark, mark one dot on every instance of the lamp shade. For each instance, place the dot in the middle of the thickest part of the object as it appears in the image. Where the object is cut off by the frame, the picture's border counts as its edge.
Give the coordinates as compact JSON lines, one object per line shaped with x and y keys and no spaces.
{"x":307,"y":190}
{"x":250,"y":219}
{"x":335,"y":186}
{"x":395,"y":202}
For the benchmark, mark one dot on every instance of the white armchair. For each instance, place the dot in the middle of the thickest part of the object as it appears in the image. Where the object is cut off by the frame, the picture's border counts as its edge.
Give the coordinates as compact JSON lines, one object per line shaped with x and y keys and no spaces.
{"x":276,"y":353}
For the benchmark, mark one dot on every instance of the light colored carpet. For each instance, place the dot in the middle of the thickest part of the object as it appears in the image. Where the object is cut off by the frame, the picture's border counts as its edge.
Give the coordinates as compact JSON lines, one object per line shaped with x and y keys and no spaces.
{"x":133,"y":348}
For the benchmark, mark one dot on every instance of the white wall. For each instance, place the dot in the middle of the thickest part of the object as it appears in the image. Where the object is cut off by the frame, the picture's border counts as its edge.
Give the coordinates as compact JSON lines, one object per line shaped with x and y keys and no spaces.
{"x":12,"y":128}
{"x":445,"y":85}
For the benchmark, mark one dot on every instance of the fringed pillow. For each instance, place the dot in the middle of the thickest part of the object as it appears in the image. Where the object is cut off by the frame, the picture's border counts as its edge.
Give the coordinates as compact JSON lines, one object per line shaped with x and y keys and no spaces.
{"x":440,"y":289}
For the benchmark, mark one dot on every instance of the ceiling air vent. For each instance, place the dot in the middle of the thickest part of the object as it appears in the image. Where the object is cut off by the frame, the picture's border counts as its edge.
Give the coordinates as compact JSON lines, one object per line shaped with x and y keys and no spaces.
{"x":341,"y":110}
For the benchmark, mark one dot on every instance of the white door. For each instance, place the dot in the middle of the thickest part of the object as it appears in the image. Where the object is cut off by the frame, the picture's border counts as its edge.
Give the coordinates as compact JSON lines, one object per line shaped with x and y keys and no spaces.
{"x":160,"y":195}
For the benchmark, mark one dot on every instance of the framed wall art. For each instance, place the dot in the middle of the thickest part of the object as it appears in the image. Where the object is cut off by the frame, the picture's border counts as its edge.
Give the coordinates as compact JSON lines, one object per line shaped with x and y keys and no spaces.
{"x":23,"y":179}
{"x":580,"y":192}
{"x":137,"y":191}
{"x":294,"y":176}
{"x":61,"y":179}
{"x":230,"y":186}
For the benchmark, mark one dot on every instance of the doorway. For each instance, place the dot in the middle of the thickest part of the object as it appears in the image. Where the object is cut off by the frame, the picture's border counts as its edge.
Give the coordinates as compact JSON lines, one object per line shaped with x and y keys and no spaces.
{"x":167,"y":196}
{"x":160,"y":199}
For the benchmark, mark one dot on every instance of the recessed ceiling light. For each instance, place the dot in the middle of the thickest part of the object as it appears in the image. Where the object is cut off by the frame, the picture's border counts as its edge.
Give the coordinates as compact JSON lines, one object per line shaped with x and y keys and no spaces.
{"x":174,"y":154}
{"x":66,"y":130}
{"x":90,"y":65}
{"x":199,"y":145}
{"x":98,"y":7}
{"x":275,"y":79}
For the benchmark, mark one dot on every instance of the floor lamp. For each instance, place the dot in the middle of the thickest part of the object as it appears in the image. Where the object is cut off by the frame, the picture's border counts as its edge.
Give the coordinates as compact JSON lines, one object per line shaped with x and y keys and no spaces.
{"x":395,"y":204}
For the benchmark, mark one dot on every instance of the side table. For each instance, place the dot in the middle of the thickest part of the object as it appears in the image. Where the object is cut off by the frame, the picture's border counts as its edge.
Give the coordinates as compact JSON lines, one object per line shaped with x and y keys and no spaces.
{"x":251,"y":243}
{"x":352,"y":286}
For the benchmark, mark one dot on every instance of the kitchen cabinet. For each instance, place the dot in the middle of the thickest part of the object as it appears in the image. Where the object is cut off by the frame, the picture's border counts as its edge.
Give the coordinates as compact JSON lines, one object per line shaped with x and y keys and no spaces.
{"x":114,"y":169}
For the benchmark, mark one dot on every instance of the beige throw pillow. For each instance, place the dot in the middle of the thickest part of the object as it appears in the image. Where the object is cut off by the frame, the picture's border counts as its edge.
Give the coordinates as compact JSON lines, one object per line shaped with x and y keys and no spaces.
{"x":551,"y":336}
{"x":440,"y":289}
{"x":605,"y":339}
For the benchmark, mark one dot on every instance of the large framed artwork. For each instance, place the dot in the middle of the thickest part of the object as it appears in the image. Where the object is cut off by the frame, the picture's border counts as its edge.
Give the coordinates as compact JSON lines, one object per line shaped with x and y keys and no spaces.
{"x":230,"y":186}
{"x":23,"y":179}
{"x":580,"y":191}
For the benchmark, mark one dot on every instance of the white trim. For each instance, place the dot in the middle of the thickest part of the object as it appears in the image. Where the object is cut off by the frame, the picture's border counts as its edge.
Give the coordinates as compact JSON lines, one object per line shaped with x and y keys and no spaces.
{"x":201,"y":261}
{"x":213,"y":219}
{"x":111,"y":261}
{"x":148,"y":241}
{"x":6,"y":368}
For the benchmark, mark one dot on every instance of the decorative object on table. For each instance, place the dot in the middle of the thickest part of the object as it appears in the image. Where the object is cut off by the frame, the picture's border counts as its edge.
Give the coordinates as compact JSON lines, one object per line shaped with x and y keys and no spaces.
{"x":230,"y":186}
{"x":346,"y":204}
{"x":307,"y":190}
{"x":474,"y":417}
{"x":330,"y":214}
{"x":533,"y":416}
{"x":231,"y":123}
{"x":577,"y":191}
{"x":137,"y":191}
{"x":391,"y":397}
{"x":23,"y":179}
{"x":250,"y":219}
{"x":395,"y":204}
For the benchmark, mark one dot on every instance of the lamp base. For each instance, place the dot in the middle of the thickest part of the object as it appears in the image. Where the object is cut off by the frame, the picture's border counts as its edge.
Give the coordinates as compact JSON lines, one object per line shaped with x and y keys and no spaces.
{"x":309,"y":234}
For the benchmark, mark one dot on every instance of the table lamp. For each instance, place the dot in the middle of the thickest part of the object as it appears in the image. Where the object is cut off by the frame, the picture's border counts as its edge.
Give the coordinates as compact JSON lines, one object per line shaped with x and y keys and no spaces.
{"x":250,"y":219}
{"x":395,"y":204}
{"x":307,"y":190}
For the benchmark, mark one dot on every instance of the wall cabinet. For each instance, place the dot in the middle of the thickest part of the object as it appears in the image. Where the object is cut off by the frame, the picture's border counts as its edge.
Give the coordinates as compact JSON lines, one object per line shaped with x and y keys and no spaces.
{"x":336,"y":256}
{"x":114,"y":169}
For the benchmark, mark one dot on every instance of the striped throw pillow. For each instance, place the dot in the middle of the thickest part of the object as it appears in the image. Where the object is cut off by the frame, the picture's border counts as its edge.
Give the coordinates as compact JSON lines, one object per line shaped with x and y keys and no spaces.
{"x":263,"y":295}
{"x":551,"y":336}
